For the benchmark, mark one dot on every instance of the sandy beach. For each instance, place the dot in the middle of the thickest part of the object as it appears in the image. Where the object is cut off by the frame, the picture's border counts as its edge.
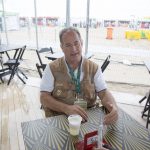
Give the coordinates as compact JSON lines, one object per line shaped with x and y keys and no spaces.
{"x":119,"y":76}
{"x":125,"y":73}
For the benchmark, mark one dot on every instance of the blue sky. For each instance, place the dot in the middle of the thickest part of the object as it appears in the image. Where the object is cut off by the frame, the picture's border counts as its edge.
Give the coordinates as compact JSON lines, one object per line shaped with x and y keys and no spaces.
{"x":99,"y":8}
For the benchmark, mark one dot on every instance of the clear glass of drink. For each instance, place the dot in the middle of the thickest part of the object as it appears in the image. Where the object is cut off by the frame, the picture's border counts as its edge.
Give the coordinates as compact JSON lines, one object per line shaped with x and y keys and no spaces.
{"x":74,"y":124}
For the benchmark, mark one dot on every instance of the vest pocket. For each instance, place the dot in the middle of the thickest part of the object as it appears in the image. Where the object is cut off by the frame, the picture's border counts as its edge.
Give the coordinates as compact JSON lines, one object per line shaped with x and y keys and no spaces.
{"x":59,"y":91}
{"x":64,"y":94}
{"x":64,"y":90}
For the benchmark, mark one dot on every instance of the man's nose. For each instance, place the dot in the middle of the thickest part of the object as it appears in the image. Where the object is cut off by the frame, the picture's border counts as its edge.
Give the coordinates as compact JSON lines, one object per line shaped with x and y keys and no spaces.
{"x":74,"y":48}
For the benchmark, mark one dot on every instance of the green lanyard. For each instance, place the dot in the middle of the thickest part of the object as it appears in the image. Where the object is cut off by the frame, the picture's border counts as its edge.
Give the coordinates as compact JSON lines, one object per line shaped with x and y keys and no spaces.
{"x":76,"y":80}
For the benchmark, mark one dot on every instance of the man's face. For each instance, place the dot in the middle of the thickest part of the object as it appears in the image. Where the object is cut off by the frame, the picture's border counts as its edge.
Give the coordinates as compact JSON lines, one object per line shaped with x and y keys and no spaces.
{"x":71,"y":46}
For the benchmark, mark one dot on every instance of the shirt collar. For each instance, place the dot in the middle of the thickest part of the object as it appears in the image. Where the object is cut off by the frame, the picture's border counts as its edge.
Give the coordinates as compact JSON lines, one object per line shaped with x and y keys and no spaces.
{"x":81,"y":63}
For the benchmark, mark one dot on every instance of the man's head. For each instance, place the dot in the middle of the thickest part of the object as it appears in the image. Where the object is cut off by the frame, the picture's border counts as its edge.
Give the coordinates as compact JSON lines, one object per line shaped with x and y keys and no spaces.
{"x":71,"y":44}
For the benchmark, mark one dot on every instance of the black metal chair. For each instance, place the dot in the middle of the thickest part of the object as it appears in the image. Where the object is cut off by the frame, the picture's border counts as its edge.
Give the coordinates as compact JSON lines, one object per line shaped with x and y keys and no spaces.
{"x":105,"y":63}
{"x":142,"y":99}
{"x":146,"y":111}
{"x":1,"y":60}
{"x":4,"y":72}
{"x":1,"y":74}
{"x":13,"y":65}
{"x":40,"y":67}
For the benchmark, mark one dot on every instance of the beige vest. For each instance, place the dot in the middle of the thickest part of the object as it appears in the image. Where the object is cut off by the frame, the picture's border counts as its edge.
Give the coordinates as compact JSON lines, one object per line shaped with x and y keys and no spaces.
{"x":64,"y":88}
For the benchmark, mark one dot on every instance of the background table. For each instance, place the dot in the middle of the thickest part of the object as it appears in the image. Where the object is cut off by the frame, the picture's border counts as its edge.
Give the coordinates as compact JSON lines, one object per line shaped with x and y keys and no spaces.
{"x":5,"y":48}
{"x":52,"y":133}
{"x":60,"y":54}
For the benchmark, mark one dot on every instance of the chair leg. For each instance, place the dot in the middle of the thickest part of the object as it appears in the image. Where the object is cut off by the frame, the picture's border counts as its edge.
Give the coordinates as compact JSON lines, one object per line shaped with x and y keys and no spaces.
{"x":20,"y":78}
{"x":148,"y":116}
{"x":142,"y":99}
{"x":1,"y":64}
{"x":11,"y":76}
{"x":38,"y":69}
{"x":22,"y":73}
{"x":1,"y":61}
{"x":145,"y":108}
{"x":40,"y":73}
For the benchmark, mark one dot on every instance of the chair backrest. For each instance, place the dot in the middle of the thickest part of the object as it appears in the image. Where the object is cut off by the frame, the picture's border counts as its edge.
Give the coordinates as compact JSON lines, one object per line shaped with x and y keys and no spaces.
{"x":43,"y":50}
{"x":39,"y":57}
{"x":105,"y":63}
{"x":1,"y":60}
{"x":42,"y":66}
{"x":19,"y":54}
{"x":22,"y":52}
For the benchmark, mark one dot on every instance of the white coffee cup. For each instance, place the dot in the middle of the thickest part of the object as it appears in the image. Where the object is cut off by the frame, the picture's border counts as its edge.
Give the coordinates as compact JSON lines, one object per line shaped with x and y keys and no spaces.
{"x":74,"y":124}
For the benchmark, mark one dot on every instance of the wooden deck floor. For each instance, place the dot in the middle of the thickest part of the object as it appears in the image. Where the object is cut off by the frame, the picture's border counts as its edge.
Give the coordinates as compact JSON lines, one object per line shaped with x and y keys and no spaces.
{"x":20,"y":103}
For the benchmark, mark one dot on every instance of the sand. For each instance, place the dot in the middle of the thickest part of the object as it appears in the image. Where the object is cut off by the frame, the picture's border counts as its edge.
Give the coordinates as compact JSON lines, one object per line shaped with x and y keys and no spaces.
{"x":125,"y":73}
{"x":119,"y":77}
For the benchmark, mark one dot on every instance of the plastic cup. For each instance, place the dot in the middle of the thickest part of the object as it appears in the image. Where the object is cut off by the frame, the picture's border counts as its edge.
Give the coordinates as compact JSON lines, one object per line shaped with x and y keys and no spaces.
{"x":74,"y":124}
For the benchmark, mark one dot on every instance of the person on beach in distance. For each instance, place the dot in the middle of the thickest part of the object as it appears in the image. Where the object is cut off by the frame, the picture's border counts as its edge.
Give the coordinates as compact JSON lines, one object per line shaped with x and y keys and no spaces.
{"x":71,"y":77}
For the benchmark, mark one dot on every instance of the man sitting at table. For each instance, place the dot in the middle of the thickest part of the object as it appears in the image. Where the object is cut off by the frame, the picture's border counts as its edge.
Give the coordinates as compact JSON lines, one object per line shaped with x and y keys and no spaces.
{"x":71,"y":77}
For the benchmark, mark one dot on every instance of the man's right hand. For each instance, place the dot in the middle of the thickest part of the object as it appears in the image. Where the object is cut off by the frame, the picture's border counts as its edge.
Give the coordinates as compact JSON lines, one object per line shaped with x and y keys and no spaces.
{"x":76,"y":109}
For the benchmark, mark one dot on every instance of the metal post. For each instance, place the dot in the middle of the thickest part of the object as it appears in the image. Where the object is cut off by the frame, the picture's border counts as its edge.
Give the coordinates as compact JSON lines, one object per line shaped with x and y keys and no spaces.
{"x":87,"y":27}
{"x":4,"y":16}
{"x":36,"y":27}
{"x":67,"y":13}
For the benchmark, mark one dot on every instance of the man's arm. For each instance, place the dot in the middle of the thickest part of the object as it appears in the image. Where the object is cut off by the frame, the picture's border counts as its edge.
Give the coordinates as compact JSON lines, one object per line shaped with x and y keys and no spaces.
{"x":109,"y":103}
{"x":47,"y":100}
